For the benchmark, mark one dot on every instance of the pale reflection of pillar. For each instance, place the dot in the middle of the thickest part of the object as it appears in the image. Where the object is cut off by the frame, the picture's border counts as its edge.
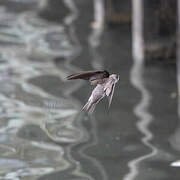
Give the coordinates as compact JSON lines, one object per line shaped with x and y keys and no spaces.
{"x":175,"y":139}
{"x":136,"y":77}
{"x":137,"y":30}
{"x":97,"y":30}
{"x":178,"y":55}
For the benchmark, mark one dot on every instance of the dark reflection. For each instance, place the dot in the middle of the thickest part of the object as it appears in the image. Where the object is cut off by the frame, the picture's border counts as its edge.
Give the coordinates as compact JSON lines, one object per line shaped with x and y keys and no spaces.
{"x":49,"y":11}
{"x":81,"y":151}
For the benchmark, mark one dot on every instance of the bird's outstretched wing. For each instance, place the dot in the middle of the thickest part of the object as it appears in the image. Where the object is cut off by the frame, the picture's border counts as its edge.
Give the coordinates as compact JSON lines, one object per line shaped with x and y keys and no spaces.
{"x":111,"y":95}
{"x":109,"y":90}
{"x":95,"y":77}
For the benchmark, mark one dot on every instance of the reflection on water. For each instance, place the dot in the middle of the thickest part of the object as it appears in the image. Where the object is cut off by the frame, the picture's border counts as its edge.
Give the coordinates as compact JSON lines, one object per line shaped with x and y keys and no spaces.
{"x":43,"y":133}
{"x":141,"y":109}
{"x":30,"y":126}
{"x":97,"y":29}
{"x":175,"y":138}
{"x":145,"y":118}
{"x":37,"y":116}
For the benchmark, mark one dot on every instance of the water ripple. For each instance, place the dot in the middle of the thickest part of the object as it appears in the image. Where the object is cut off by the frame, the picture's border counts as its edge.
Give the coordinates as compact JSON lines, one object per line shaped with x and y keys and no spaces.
{"x":39,"y":120}
{"x":145,"y":118}
{"x":141,"y":110}
{"x":33,"y":119}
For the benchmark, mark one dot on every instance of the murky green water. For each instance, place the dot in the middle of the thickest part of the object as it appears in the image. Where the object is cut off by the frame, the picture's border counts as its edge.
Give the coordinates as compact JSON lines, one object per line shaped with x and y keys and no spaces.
{"x":44,"y":134}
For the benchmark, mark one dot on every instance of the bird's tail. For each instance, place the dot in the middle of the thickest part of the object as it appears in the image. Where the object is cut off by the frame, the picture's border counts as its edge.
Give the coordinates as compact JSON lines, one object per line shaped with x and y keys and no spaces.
{"x":89,"y":107}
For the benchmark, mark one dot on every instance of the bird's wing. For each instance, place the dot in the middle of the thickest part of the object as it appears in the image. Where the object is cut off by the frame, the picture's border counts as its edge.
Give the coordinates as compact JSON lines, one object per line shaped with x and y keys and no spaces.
{"x":109,"y":90}
{"x":90,"y":75}
{"x":111,"y":94}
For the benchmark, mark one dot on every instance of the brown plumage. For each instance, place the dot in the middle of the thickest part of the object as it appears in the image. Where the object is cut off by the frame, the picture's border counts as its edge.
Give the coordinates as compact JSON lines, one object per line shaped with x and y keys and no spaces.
{"x":95,"y":77}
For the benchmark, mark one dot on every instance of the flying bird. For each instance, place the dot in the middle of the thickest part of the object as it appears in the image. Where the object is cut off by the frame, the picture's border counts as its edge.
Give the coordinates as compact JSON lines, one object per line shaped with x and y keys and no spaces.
{"x":105,"y":84}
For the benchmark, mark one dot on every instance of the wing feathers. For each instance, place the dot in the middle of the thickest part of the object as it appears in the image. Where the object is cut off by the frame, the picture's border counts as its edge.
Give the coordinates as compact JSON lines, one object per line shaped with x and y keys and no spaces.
{"x":111,"y":95}
{"x":89,"y":75}
{"x":109,"y":90}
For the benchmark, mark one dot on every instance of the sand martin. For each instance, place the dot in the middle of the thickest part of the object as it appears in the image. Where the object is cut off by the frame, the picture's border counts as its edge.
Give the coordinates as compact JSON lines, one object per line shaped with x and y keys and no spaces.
{"x":105,"y":84}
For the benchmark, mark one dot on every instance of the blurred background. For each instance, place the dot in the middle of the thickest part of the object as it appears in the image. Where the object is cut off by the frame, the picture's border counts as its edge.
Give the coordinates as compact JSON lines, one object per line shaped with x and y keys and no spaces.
{"x":43,"y":132}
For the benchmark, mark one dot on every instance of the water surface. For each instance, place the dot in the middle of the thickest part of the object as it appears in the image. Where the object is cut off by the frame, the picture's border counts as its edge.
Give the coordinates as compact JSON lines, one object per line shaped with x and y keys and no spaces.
{"x":44,"y":134}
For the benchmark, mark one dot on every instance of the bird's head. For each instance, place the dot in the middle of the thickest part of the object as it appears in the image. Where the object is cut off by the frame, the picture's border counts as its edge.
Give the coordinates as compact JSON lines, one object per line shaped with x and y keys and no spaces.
{"x":115,"y":77}
{"x":105,"y":74}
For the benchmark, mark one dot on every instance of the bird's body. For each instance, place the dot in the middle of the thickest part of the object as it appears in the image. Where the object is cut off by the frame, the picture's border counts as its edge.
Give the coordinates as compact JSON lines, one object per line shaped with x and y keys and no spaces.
{"x":105,"y":85}
{"x":97,"y":94}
